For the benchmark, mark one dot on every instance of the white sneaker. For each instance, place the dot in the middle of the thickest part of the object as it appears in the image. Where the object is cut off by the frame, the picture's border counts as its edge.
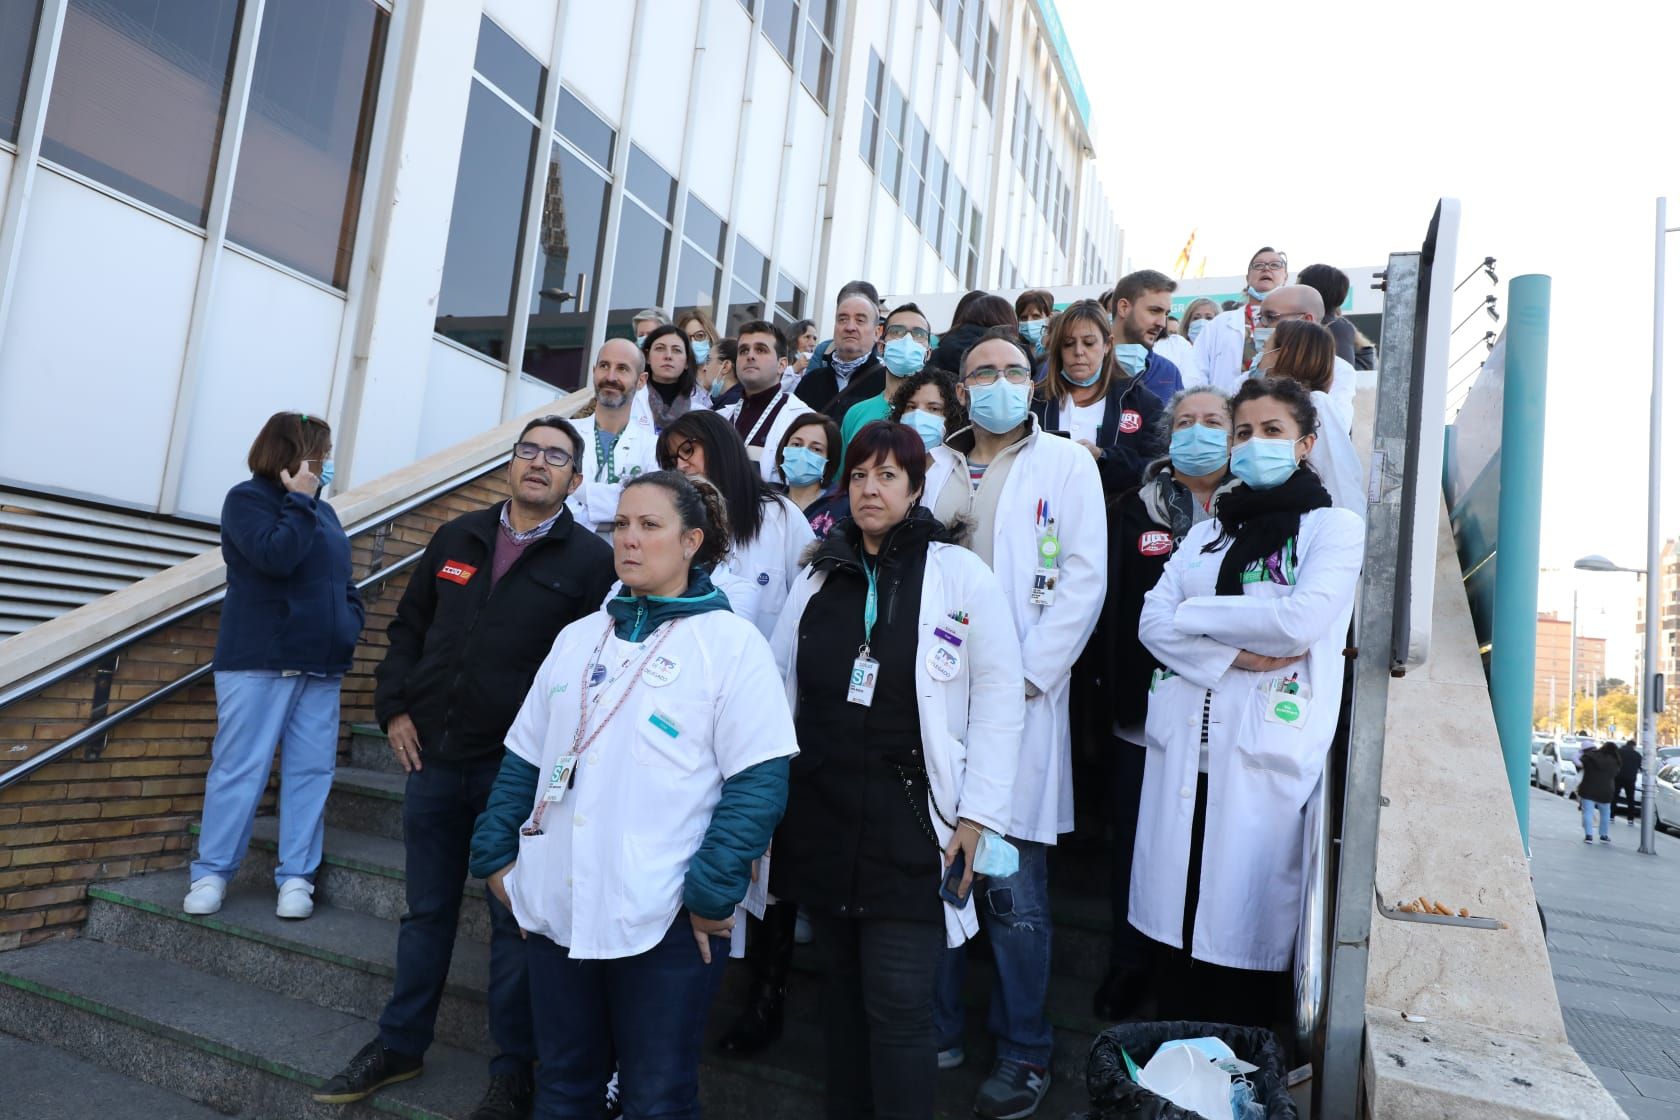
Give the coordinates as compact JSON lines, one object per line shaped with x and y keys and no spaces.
{"x":296,"y":899}
{"x":205,"y":897}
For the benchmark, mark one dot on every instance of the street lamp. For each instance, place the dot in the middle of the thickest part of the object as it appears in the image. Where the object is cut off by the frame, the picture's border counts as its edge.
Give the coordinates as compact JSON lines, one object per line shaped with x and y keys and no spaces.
{"x":1650,"y":693}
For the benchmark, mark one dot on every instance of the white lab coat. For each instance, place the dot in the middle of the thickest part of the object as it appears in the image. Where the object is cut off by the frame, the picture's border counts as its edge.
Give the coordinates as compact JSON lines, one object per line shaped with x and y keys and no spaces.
{"x":762,"y":572}
{"x":1218,"y":351}
{"x":1054,"y":469}
{"x":605,"y":877}
{"x":772,"y":434}
{"x":971,"y":724}
{"x":595,"y":502}
{"x":1260,"y":774}
{"x":1335,"y":460}
{"x":939,"y":472}
{"x":1177,"y":350}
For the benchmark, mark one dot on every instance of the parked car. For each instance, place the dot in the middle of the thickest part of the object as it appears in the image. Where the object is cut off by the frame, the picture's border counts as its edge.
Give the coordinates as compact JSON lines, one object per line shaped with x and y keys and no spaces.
{"x":1666,"y":805}
{"x":1558,"y":768}
{"x":1534,"y":749}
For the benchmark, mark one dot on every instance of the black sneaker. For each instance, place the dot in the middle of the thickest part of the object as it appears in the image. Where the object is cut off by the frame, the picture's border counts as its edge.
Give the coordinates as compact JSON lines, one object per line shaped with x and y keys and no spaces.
{"x":507,"y":1098}
{"x":1589,"y":839}
{"x":373,"y":1068}
{"x":1013,"y":1091}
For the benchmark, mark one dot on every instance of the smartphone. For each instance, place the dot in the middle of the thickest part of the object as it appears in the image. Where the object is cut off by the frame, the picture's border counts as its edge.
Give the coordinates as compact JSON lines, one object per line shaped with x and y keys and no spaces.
{"x":953,"y":882}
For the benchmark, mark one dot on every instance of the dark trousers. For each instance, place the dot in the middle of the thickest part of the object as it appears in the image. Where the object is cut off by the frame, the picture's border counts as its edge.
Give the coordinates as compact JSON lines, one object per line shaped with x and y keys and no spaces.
{"x":440,"y":805}
{"x":1211,"y":993}
{"x":878,"y":979}
{"x":1129,"y":950}
{"x":1624,"y":789}
{"x":647,"y":1012}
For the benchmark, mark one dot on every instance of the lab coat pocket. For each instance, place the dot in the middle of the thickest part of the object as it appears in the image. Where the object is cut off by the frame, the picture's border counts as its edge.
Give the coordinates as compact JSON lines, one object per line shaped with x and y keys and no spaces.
{"x":673,"y":736}
{"x":1174,"y":710}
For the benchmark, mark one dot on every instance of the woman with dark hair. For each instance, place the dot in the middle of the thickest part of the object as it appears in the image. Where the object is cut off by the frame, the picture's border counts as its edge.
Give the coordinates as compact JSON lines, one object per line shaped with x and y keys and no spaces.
{"x":928,"y":403}
{"x":905,"y":675}
{"x":975,"y":315}
{"x":1088,"y":395}
{"x":656,"y":700}
{"x":288,"y":629}
{"x":767,"y":531}
{"x":1249,"y":620}
{"x":1033,"y":310}
{"x":1332,"y":283}
{"x":1301,"y":351}
{"x":1305,"y":353}
{"x":672,"y":388}
{"x":803,"y":339}
{"x":808,"y":461}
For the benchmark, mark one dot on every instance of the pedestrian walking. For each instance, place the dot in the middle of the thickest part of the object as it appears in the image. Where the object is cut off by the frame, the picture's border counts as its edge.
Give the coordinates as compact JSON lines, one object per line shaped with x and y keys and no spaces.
{"x":1627,"y":780}
{"x":1599,"y":770}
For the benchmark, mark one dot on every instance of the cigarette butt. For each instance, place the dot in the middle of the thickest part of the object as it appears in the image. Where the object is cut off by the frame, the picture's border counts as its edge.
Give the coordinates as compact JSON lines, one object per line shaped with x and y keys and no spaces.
{"x":1464,"y":911}
{"x":1442,"y":910}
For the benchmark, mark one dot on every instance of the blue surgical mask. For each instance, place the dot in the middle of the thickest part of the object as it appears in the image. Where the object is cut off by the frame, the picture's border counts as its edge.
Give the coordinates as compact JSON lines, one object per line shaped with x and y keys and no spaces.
{"x":1195,"y":328}
{"x":1033,"y":330}
{"x":1264,"y":463}
{"x":930,"y":426}
{"x":1085,"y":384}
{"x":1131,"y":355}
{"x":802,"y":467}
{"x":1199,"y":450}
{"x":905,"y":357}
{"x":999,"y":407}
{"x":702,"y":350}
{"x":717,"y":390}
{"x":1255,"y":295}
{"x":326,"y":472}
{"x":1261,"y":336}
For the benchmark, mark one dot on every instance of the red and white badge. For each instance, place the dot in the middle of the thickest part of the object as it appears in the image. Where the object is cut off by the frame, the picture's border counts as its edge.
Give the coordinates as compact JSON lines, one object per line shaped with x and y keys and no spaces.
{"x":1131,"y":420}
{"x":1155,"y":543}
{"x":456,"y":572}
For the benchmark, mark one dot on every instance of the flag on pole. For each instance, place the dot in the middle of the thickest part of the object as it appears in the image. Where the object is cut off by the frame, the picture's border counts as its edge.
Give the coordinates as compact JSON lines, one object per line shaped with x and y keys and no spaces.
{"x":1201,"y":269}
{"x":1183,"y":261}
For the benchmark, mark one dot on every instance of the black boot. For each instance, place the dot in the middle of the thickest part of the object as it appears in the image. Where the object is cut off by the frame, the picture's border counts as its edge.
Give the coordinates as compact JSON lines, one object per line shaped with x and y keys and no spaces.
{"x":770,"y":953}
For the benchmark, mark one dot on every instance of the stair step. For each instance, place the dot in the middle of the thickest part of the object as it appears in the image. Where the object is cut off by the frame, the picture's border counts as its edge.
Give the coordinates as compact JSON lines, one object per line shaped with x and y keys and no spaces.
{"x":338,"y":959}
{"x":371,"y":750}
{"x":240,"y":1050}
{"x":47,"y":1084}
{"x":367,"y":801}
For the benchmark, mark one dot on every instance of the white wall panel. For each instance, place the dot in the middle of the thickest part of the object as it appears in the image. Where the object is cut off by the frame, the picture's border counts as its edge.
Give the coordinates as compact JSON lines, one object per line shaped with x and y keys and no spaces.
{"x":270,"y":345}
{"x":760,"y":165}
{"x":662,"y":83}
{"x":799,"y":194}
{"x":91,"y":359}
{"x":463,"y":398}
{"x":529,"y":21}
{"x":6,"y":161}
{"x":716,"y":121}
{"x":595,"y":52}
{"x":532,"y":395}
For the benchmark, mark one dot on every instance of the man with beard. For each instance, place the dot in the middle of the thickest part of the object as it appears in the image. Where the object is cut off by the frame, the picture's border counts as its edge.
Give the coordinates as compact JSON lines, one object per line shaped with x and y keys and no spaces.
{"x":619,"y":442}
{"x":1142,"y":302}
{"x":477,"y":618}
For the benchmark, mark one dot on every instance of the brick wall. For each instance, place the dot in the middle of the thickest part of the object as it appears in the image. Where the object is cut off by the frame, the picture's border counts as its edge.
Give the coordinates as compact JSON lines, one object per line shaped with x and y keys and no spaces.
{"x":127,"y":808}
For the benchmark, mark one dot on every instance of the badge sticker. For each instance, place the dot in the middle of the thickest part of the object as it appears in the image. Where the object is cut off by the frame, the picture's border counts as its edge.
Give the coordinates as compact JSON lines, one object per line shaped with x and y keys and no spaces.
{"x":764,"y":579}
{"x":456,"y":572}
{"x":597,"y":675}
{"x":1155,"y":543}
{"x":661,"y":671}
{"x":663,"y":722}
{"x":943,"y":664}
{"x":1131,"y":421}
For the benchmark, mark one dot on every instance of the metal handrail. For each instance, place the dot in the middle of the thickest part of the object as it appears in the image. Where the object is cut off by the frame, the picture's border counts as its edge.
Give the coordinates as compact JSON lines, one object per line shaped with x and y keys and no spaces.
{"x":49,"y":677}
{"x":94,"y":730}
{"x":1312,"y":943}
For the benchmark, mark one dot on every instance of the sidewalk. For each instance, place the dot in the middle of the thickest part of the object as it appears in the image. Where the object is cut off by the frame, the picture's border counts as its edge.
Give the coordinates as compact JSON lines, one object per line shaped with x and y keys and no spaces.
{"x":1613,"y":929}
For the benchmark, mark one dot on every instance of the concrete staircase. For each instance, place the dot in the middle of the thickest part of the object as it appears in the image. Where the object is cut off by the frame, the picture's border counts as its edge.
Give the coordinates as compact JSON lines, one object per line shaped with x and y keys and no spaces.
{"x":154,"y":1013}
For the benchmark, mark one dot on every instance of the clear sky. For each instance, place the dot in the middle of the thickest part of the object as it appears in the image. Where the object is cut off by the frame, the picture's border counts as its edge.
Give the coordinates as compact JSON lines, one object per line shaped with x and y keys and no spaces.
{"x":1331,"y":130}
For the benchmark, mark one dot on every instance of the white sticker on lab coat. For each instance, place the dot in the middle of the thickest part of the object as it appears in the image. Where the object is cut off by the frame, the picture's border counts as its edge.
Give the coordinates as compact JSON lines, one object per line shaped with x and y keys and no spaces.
{"x":943,"y":663}
{"x":661,"y":671}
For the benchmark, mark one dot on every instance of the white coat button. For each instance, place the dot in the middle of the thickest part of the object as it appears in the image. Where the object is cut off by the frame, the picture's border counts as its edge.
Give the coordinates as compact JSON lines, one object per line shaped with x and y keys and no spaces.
{"x":1184,"y":791}
{"x":594,"y":758}
{"x":579,"y":820}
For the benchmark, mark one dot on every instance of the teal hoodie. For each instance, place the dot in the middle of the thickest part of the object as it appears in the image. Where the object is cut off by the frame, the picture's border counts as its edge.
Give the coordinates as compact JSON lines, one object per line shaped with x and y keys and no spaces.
{"x":746,"y":815}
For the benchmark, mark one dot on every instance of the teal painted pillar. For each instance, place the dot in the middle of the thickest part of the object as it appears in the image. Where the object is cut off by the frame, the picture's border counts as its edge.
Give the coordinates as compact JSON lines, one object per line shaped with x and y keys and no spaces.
{"x":1517,"y":578}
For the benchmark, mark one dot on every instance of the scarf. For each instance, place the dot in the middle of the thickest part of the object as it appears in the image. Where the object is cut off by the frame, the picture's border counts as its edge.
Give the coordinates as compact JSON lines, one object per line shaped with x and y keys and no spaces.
{"x":1171,"y":505}
{"x":1258,"y":524}
{"x":843,"y":370}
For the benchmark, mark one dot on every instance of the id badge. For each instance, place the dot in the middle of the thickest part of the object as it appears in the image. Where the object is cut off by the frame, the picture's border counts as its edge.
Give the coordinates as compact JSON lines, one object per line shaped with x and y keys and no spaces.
{"x":862,"y":688}
{"x":560,"y":779}
{"x":1044,"y":587}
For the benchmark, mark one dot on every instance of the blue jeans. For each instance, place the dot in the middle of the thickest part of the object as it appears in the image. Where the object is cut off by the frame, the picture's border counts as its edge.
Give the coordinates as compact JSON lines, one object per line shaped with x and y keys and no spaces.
{"x":647,"y":1011}
{"x":1602,"y":808}
{"x":1016,"y":913}
{"x":258,"y":710}
{"x":440,"y":805}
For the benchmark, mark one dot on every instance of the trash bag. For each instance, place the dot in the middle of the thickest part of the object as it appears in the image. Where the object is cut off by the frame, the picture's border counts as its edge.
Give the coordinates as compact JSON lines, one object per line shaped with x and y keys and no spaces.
{"x":1115,"y":1096}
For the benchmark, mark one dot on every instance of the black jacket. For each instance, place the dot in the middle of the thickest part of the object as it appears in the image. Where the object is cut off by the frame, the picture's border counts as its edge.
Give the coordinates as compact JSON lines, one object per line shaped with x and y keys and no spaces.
{"x":1127,"y":448}
{"x":1632,"y":763}
{"x":462,"y":654}
{"x":820,"y":389}
{"x":1138,"y":551}
{"x":1598,"y":774}
{"x":953,"y":344}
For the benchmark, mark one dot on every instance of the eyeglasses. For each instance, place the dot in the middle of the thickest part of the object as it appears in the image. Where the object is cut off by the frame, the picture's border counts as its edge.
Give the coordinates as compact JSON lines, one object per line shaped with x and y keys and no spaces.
{"x":1273,"y":318}
{"x":988,"y":375}
{"x":683,"y":453}
{"x":556,"y":457}
{"x":899,"y":330}
{"x":1269,"y":266}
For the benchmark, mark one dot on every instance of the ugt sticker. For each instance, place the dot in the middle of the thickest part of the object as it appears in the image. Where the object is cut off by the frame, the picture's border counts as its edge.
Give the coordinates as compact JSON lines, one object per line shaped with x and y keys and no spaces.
{"x":1155,"y":543}
{"x":1131,"y":420}
{"x":456,"y":572}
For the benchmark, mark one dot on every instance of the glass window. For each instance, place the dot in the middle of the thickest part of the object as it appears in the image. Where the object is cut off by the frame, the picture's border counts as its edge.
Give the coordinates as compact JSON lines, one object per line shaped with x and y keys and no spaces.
{"x":700,"y":268}
{"x":953,"y":21}
{"x":509,"y":66}
{"x":790,"y":301}
{"x":589,"y":133}
{"x":298,"y":187}
{"x":1017,"y":123}
{"x":973,"y":256}
{"x":818,"y":64}
{"x":781,"y":22}
{"x":703,"y":227}
{"x":956,"y":201}
{"x":871,"y":111}
{"x":479,"y":265}
{"x":17,"y":40}
{"x":644,"y":245}
{"x":748,"y":288}
{"x":973,"y":29}
{"x":649,"y":182}
{"x":138,"y":97}
{"x":915,"y":169}
{"x":563,"y":287}
{"x":989,"y":85}
{"x":892,"y":151}
{"x":933,"y":199}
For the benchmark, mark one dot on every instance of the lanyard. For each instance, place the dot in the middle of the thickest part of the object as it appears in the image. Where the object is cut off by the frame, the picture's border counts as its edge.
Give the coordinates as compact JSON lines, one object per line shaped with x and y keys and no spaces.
{"x":870,"y":602}
{"x":604,"y":455}
{"x":766,"y":416}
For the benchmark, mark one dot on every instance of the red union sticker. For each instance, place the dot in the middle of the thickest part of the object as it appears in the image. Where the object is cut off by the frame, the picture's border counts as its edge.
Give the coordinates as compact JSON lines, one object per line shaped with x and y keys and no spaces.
{"x":456,"y":572}
{"x":1130,"y":421}
{"x":1155,"y":544}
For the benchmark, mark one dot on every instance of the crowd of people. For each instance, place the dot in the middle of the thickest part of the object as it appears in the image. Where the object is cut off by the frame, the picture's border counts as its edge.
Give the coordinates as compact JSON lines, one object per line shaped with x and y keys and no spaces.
{"x":797,"y":639}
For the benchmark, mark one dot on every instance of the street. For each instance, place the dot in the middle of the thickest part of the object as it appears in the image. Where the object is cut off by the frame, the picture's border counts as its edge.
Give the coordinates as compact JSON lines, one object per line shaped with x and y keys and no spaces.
{"x":1613,"y":922}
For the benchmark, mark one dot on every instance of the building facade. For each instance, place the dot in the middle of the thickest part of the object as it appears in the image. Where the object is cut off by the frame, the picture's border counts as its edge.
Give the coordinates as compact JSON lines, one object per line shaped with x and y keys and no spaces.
{"x":1668,"y":638}
{"x":417,"y":220}
{"x":1551,"y":662}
